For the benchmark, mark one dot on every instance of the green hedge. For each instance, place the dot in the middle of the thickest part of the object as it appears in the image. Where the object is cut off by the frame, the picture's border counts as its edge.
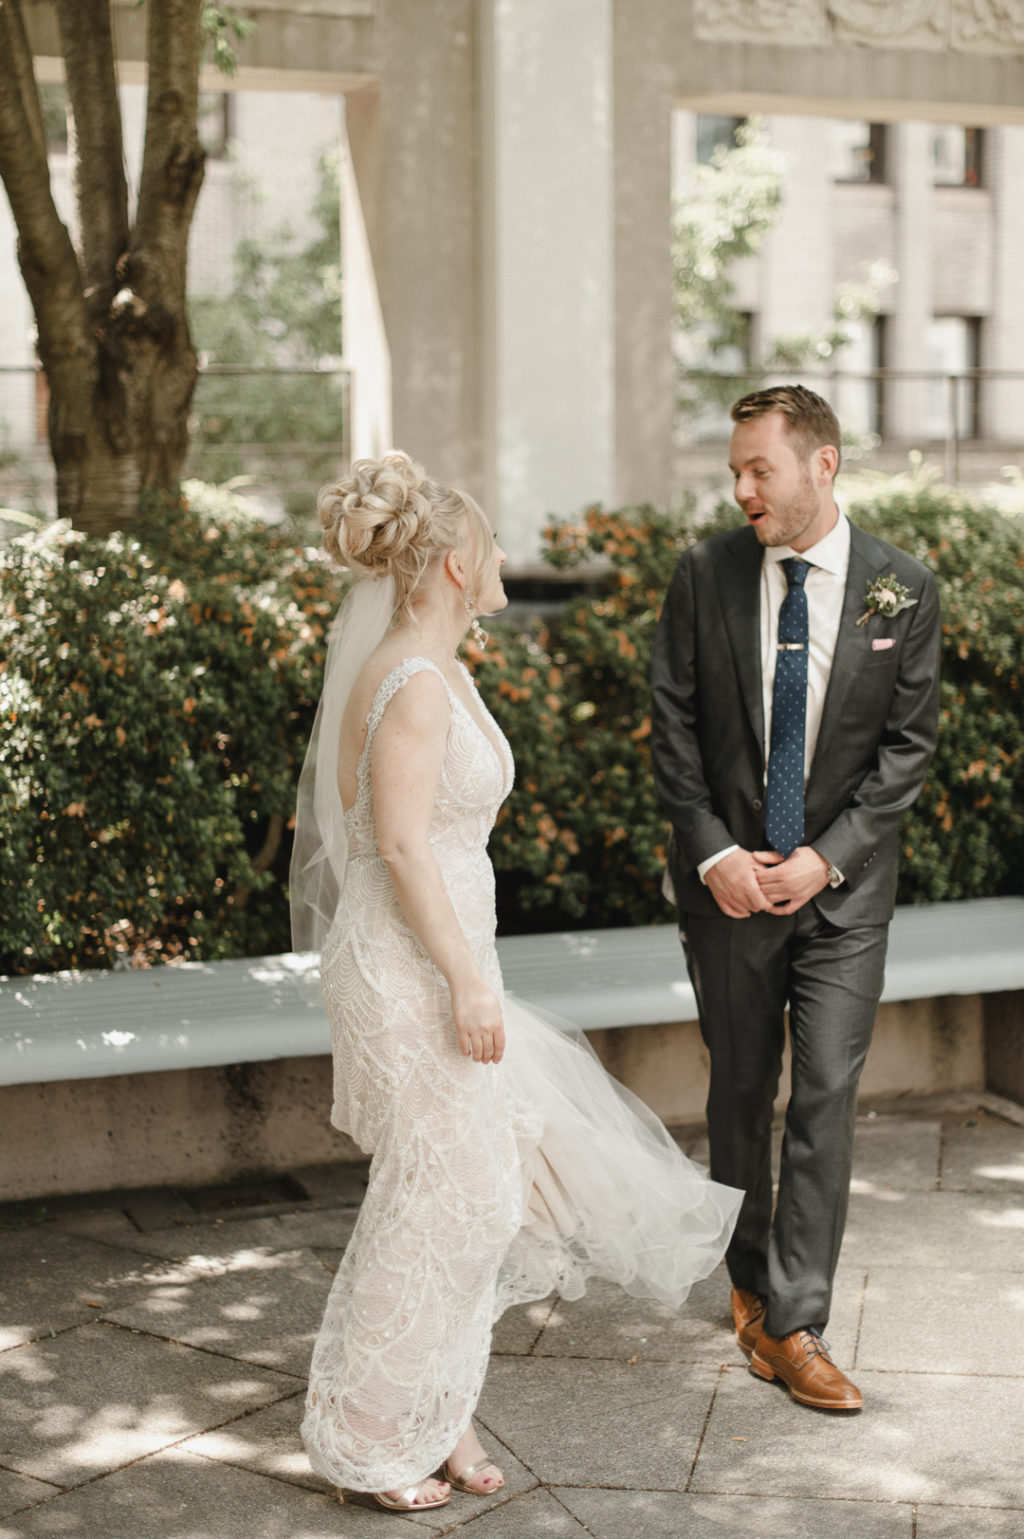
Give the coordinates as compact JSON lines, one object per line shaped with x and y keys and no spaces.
{"x":156,"y":696}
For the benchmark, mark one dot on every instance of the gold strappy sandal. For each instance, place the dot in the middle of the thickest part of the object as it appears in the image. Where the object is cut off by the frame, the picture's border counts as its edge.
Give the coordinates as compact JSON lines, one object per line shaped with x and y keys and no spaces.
{"x":460,"y":1482}
{"x":405,"y":1501}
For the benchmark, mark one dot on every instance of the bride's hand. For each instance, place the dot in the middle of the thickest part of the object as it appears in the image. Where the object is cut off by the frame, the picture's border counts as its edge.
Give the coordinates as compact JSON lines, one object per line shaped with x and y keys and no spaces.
{"x":478,"y":1022}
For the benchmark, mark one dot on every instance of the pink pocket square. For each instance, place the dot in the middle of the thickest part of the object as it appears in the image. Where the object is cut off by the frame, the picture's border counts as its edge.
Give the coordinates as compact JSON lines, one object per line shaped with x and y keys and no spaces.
{"x":883,"y":643}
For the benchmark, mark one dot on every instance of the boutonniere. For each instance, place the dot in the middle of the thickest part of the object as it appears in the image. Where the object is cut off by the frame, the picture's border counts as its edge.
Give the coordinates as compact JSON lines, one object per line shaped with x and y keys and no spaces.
{"x":885,"y":596}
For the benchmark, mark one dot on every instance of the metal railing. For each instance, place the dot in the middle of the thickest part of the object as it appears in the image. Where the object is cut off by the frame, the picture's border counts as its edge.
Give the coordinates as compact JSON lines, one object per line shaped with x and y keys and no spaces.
{"x":958,"y":397}
{"x":279,"y":431}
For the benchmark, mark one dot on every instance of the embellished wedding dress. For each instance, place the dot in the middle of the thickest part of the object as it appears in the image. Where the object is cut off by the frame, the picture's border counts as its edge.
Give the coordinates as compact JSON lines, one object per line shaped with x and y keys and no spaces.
{"x":489,"y":1185}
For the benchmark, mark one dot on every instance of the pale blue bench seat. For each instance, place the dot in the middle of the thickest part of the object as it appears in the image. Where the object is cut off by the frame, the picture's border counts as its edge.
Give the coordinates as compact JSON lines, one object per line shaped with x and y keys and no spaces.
{"x":195,"y":1015}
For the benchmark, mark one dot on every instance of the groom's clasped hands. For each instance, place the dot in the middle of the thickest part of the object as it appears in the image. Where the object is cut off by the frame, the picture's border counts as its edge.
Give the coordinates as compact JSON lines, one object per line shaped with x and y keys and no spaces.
{"x":746,"y":882}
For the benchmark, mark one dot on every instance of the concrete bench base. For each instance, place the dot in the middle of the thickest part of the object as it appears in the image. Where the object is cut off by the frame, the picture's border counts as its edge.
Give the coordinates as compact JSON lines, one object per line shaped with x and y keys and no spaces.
{"x":204,"y":1073}
{"x":196,"y":1127}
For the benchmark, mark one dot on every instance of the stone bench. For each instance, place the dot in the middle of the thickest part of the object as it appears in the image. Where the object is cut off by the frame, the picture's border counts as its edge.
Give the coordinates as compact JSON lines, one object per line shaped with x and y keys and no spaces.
{"x":228,"y":1060}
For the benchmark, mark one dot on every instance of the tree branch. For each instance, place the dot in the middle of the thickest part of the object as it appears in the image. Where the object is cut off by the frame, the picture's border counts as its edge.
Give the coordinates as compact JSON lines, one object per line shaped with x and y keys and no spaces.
{"x":100,"y":185}
{"x":48,"y":261}
{"x":173,"y":159}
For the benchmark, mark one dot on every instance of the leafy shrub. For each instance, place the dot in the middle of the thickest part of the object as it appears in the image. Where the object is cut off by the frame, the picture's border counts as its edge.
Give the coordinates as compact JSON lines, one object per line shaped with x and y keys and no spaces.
{"x":156,"y":694}
{"x":581,"y":838}
{"x":964,"y":836}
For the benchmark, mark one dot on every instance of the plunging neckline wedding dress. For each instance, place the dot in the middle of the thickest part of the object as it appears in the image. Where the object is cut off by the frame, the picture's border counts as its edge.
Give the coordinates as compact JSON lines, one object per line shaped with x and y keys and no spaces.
{"x":490,"y":1185}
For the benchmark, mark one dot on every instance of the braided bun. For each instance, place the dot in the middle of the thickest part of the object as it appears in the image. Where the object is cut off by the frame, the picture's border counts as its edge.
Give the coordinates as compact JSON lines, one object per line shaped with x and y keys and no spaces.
{"x":388,"y":518}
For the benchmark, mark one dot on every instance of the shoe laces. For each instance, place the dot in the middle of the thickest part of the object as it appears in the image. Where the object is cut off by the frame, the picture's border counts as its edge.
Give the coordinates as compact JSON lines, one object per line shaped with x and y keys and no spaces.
{"x":813,"y":1342}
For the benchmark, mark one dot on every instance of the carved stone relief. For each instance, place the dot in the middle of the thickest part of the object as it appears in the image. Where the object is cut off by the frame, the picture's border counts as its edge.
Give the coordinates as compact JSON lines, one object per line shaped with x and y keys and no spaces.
{"x":899,"y":23}
{"x":774,"y":21}
{"x":988,"y":24}
{"x":978,"y":26}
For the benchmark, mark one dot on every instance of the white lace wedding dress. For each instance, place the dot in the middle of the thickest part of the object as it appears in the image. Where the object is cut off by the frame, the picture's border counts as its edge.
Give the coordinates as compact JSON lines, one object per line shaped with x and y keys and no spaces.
{"x":489,"y":1186}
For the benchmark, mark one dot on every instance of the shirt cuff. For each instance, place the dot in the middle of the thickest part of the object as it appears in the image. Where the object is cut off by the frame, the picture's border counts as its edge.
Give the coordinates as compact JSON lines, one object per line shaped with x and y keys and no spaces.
{"x":712,"y":860}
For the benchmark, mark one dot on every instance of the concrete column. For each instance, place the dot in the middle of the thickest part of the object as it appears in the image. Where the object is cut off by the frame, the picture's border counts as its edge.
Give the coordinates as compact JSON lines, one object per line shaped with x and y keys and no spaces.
{"x":546,"y":250}
{"x":426,"y":272}
{"x":1002,"y":336}
{"x":911,"y":174}
{"x":649,"y":42}
{"x":797,"y":278}
{"x":364,"y":338}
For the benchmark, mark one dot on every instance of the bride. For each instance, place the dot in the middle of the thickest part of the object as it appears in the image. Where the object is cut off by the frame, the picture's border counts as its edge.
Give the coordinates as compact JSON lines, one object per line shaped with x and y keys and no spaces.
{"x":506,"y":1163}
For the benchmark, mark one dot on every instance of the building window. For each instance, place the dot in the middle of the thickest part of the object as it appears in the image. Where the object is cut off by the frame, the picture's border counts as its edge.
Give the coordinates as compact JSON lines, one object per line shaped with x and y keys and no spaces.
{"x":715,"y":133}
{"x":53,"y":103}
{"x":857,"y":151}
{"x":954,"y":394}
{"x":216,"y":122}
{"x":956,"y":155}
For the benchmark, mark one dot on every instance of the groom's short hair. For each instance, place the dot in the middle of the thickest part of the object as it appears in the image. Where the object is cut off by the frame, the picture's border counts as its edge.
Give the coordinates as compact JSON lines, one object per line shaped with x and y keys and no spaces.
{"x":810,"y":419}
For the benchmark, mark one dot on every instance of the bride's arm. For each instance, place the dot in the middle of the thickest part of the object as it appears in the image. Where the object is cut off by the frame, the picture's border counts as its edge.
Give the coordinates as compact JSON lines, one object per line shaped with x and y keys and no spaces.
{"x":406,"y":760}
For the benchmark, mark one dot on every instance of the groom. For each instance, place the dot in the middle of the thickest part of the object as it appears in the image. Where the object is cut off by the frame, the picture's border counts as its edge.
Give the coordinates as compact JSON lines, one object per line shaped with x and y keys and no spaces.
{"x":795,"y":690}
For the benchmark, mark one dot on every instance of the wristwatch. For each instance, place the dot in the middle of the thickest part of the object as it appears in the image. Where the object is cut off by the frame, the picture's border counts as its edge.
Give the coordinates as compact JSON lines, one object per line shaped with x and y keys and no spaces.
{"x":835,"y":876}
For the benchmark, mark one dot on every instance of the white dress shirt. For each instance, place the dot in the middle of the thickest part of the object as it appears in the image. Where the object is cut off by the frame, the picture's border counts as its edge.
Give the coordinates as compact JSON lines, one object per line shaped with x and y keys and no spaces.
{"x":825,"y":587}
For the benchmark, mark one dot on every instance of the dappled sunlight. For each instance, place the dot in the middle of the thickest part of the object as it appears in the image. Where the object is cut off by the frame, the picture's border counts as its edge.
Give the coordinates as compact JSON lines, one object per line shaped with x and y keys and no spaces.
{"x":880,"y":1193}
{"x":1001,"y":1172}
{"x":1009,"y":1218}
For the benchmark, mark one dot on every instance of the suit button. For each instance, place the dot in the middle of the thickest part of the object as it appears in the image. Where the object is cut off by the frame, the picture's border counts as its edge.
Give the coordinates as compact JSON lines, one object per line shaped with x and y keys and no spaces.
{"x":757,"y":804}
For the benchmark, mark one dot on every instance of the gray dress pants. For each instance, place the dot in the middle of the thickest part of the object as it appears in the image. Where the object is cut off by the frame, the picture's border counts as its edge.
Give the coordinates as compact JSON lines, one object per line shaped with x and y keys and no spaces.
{"x":745,"y":972}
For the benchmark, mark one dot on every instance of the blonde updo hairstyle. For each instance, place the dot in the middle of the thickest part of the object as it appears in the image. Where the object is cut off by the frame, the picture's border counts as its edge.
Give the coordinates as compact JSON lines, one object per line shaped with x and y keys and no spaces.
{"x":387,"y":518}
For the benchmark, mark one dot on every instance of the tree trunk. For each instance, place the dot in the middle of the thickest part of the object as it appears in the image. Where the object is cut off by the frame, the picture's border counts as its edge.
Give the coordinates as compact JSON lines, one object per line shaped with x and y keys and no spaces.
{"x":112,"y":325}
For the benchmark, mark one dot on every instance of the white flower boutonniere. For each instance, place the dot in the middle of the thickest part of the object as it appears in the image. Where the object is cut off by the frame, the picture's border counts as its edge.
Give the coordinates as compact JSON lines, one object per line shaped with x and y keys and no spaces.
{"x":885,"y":596}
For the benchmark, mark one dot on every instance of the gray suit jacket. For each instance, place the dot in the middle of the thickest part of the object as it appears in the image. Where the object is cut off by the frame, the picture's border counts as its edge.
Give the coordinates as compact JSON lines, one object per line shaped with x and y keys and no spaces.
{"x":878,"y":728}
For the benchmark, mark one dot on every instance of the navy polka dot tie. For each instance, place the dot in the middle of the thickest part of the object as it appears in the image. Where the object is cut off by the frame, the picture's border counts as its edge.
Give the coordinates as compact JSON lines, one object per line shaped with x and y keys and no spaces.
{"x":784,"y":821}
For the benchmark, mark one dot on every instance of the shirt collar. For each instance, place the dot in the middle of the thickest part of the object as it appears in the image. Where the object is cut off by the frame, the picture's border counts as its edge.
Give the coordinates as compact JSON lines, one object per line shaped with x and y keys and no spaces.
{"x":831,"y":552}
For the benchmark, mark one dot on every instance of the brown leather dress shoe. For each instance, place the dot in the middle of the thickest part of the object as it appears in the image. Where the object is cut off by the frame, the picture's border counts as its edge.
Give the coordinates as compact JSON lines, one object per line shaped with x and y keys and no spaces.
{"x":802,"y":1362}
{"x":747,"y":1317}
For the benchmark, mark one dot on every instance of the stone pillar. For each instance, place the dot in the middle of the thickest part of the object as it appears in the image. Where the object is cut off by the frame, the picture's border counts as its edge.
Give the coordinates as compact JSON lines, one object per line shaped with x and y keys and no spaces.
{"x":649,"y":42}
{"x":546,"y":250}
{"x":426,"y":268}
{"x":797,"y":279}
{"x":911,"y":174}
{"x":364,"y":337}
{"x":1002,"y":337}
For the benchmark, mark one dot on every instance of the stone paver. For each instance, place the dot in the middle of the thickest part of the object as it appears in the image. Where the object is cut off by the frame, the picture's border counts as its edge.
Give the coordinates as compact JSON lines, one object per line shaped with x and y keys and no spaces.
{"x":940,"y":1438}
{"x":926,"y":1232}
{"x":51,"y":1281}
{"x":951,"y":1322}
{"x":177,"y":1495}
{"x":609,"y":1323}
{"x":153,"y":1361}
{"x":889,"y":1151}
{"x":663,"y":1515}
{"x":968,"y":1523}
{"x":92,"y":1399}
{"x":516,"y":1333}
{"x":581,"y":1422}
{"x":20,"y":1491}
{"x":986,"y":1156}
{"x":267,"y":1311}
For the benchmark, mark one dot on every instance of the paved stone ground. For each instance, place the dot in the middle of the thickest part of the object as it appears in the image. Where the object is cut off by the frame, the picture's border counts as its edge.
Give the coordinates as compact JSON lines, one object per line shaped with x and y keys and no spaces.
{"x":153,"y":1348}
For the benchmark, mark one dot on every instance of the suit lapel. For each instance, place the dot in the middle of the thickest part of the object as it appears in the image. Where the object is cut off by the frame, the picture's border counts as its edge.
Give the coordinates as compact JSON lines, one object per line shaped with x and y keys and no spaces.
{"x":739,"y":587}
{"x":867,"y":560}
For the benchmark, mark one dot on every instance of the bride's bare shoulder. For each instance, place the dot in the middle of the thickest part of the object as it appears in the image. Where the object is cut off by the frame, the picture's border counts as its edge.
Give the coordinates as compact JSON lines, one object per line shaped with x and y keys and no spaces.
{"x":382,"y":662}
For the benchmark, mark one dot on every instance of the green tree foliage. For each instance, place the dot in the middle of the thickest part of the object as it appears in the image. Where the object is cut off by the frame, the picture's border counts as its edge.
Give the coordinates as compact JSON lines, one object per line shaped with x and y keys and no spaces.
{"x":729,"y":207}
{"x":283,"y":312}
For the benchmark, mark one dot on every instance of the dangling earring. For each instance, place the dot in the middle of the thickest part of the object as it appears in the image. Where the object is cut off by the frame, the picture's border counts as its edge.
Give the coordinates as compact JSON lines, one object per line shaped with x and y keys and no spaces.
{"x":476,"y":630}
